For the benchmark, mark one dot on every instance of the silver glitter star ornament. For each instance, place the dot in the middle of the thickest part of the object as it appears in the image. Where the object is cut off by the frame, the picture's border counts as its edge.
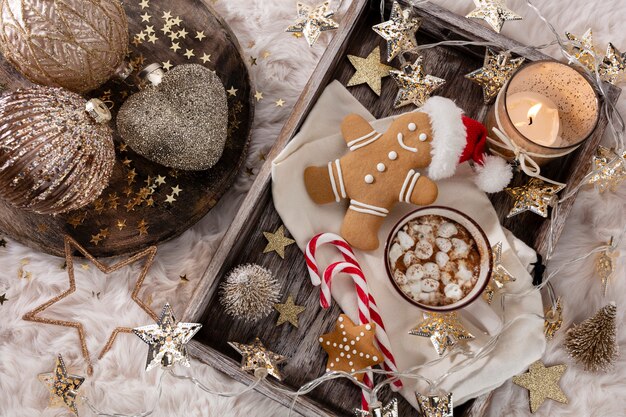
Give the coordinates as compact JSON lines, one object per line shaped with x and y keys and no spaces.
{"x":435,"y":405}
{"x":167,"y":340}
{"x":257,"y":359}
{"x":313,"y":20}
{"x":494,"y":12}
{"x":378,"y":410}
{"x":63,"y":387}
{"x":415,"y":86}
{"x":398,"y":31}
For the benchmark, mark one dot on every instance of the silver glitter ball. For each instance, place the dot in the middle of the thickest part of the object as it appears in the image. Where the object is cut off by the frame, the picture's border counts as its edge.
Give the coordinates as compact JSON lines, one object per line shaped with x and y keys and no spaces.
{"x":180,"y":121}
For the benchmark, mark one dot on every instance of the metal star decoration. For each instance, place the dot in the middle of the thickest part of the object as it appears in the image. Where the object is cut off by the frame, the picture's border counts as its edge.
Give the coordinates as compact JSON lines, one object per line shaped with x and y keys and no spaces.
{"x":494,"y":12}
{"x":398,"y":31}
{"x":313,"y":20}
{"x":415,"y":86}
{"x":583,"y":49}
{"x":369,"y":70}
{"x":444,"y":330}
{"x":553,"y":319}
{"x":256,"y":356}
{"x":610,"y":170}
{"x":536,"y":196}
{"x":542,"y":383}
{"x":378,"y":410}
{"x":167,"y":340}
{"x":605,"y":265}
{"x":288,"y":312}
{"x":499,"y":274}
{"x":62,"y":386}
{"x":277,"y":242}
{"x":613,"y":66}
{"x":496,"y":71}
{"x":69,"y":246}
{"x":435,"y":405}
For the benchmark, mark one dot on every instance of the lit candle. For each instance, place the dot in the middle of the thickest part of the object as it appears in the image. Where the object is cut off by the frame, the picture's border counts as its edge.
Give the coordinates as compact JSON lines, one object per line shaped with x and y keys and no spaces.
{"x":535,"y":116}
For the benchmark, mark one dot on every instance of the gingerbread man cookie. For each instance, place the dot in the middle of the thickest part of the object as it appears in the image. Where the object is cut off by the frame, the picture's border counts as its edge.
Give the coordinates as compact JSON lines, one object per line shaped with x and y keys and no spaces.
{"x":383,"y":169}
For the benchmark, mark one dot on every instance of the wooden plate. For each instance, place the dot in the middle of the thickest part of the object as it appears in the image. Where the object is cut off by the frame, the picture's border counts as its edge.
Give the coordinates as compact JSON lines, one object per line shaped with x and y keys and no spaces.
{"x":134,"y":212}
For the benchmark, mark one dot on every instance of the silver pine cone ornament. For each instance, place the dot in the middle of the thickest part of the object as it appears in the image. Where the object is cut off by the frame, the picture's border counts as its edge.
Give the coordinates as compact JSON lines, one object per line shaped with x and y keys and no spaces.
{"x":249,"y":292}
{"x":56,"y":150}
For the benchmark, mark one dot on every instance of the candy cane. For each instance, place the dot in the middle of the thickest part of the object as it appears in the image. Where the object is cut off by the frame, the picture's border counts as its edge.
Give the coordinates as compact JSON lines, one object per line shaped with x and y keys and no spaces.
{"x":367,"y":305}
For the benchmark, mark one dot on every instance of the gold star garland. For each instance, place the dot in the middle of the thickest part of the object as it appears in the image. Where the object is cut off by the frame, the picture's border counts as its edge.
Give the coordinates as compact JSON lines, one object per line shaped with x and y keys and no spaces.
{"x":378,"y":410}
{"x":494,"y":12}
{"x":535,"y":196}
{"x":435,"y":405}
{"x":605,"y":265}
{"x":69,"y":245}
{"x":583,"y":50}
{"x":415,"y":86}
{"x":613,"y":66}
{"x":499,"y":274}
{"x":609,"y":170}
{"x":553,"y":319}
{"x":496,"y":71}
{"x":443,"y":329}
{"x":256,"y":357}
{"x":312,"y":21}
{"x":398,"y":31}
{"x":63,"y":387}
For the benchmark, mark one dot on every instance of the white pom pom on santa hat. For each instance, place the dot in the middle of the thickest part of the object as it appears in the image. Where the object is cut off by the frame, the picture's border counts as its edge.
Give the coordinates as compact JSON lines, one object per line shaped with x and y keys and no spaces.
{"x":456,"y":139}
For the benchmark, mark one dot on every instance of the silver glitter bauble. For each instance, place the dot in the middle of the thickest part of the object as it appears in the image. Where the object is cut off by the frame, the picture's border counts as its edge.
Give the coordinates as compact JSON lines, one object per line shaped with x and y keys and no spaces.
{"x":180,"y":121}
{"x":54,"y":156}
{"x":249,"y":292}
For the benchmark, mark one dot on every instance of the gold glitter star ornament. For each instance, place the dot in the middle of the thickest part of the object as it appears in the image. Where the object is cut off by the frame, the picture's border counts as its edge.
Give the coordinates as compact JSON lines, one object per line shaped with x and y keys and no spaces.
{"x":277,"y":242}
{"x":258,"y":360}
{"x":613,"y":66}
{"x":499,"y":274}
{"x":444,"y":330}
{"x":369,"y":70}
{"x":496,"y":71}
{"x":609,"y":170}
{"x":542,"y":383}
{"x":62,"y":386}
{"x":435,"y":405}
{"x":536,"y":196}
{"x":398,"y":31}
{"x":494,"y":12}
{"x":167,"y":340}
{"x":313,"y":20}
{"x":378,"y":410}
{"x":415,"y":86}
{"x":288,"y":312}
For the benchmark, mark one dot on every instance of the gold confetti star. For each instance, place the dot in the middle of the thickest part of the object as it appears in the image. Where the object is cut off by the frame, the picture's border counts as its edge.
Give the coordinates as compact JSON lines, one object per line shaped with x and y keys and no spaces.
{"x":200,"y":35}
{"x":43,"y":228}
{"x":369,"y":70}
{"x":499,"y":274}
{"x":170,"y":199}
{"x":122,"y":147}
{"x":96,"y":239}
{"x":494,"y":12}
{"x":63,"y":387}
{"x":160,"y":180}
{"x":167,"y":16}
{"x":175,"y":46}
{"x":613,"y":66}
{"x":249,"y":172}
{"x":536,"y":196}
{"x":149,"y":29}
{"x":252,"y":61}
{"x":146,"y":17}
{"x":542,"y":383}
{"x":144,"y":4}
{"x":277,"y":242}
{"x":152,"y":39}
{"x":584,"y":50}
{"x":166,"y":29}
{"x":189,"y":54}
{"x":205,"y":58}
{"x":182,"y":33}
{"x":121,"y":224}
{"x":232,"y":91}
{"x":444,"y":330}
{"x":265,"y":54}
{"x":3,"y":298}
{"x":415,"y":86}
{"x":496,"y":71}
{"x":288,"y":312}
{"x":176,"y":21}
{"x":398,"y":31}
{"x":85,"y":267}
{"x":183,"y":278}
{"x":176,"y":190}
{"x":256,"y":356}
{"x":311,"y":21}
{"x":258,"y":95}
{"x":173,"y":36}
{"x":280,"y":102}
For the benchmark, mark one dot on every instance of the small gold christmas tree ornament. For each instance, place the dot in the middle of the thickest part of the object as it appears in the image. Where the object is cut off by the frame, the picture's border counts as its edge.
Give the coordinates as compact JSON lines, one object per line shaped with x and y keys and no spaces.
{"x":592,"y":343}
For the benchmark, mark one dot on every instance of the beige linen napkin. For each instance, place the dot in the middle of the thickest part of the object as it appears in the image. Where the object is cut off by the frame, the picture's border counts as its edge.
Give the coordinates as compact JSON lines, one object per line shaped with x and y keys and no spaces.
{"x":318,"y":142}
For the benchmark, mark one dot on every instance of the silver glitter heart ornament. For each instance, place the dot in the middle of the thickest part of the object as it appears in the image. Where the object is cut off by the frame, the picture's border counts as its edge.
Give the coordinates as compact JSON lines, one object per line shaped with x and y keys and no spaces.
{"x":179,"y":121}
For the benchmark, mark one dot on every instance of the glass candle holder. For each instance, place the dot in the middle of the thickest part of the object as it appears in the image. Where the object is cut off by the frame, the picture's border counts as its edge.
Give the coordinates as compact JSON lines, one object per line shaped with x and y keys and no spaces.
{"x":547,"y":109}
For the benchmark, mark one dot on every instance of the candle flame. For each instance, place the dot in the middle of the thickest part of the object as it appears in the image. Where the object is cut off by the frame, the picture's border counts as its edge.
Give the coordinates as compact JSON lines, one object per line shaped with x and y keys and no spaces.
{"x":534,"y":110}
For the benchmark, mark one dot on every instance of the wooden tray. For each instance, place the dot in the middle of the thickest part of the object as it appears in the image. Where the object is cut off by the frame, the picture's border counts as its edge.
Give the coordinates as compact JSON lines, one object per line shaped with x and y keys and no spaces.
{"x":124,"y":227}
{"x":244,"y":241}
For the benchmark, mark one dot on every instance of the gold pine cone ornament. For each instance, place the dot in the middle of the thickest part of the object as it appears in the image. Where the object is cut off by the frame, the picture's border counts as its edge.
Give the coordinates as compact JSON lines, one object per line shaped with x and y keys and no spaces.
{"x":75,"y":44}
{"x":56,"y":149}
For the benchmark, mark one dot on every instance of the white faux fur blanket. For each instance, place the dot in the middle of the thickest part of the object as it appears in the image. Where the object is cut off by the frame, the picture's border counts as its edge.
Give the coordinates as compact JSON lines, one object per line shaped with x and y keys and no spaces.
{"x":119,"y":383}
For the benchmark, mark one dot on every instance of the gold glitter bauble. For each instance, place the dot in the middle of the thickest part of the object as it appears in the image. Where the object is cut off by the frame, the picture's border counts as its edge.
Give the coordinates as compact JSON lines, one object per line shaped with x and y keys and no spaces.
{"x":54,"y":156}
{"x":181,"y":121}
{"x":75,"y":44}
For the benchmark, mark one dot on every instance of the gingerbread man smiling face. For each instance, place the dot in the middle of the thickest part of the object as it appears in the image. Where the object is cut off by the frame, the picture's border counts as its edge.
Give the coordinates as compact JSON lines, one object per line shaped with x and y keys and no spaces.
{"x":382,"y":169}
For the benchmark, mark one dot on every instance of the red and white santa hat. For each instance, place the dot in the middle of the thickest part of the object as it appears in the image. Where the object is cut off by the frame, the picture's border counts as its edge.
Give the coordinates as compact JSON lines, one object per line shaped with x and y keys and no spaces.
{"x":456,"y":139}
